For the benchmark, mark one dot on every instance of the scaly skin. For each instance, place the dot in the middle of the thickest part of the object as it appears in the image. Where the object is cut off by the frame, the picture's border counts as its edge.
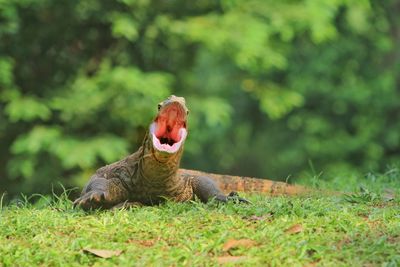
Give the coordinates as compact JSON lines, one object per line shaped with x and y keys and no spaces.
{"x":150,"y":176}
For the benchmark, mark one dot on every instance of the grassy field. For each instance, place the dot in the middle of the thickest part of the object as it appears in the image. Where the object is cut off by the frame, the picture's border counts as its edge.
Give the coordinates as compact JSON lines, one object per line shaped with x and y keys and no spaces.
{"x":358,"y":230}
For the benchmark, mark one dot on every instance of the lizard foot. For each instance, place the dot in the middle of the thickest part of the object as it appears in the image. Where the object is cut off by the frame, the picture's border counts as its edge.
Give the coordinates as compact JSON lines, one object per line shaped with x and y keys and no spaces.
{"x":127,"y":205}
{"x":234,"y":196}
{"x":91,"y":200}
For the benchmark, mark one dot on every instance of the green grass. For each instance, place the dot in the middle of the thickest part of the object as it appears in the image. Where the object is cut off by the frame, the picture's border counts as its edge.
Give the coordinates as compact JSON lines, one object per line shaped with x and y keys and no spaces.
{"x":358,"y":230}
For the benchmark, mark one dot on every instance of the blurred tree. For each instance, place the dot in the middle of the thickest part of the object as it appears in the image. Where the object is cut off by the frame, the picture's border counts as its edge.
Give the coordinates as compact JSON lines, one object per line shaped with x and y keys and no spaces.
{"x":271,"y":85}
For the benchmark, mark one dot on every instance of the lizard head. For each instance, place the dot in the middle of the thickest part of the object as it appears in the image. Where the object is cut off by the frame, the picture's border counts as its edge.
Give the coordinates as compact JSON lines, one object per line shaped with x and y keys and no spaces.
{"x":168,"y":131}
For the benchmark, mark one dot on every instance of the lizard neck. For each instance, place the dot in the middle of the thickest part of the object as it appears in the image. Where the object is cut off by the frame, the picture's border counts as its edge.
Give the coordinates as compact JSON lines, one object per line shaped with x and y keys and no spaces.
{"x":158,"y":167}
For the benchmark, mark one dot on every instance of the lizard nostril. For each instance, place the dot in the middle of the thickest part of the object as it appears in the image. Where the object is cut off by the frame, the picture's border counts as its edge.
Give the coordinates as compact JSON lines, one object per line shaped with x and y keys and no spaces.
{"x":169,"y":129}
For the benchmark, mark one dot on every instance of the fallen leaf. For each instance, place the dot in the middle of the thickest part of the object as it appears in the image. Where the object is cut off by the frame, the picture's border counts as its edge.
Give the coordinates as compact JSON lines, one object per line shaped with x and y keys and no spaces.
{"x":374,"y":223}
{"x":103,"y":253}
{"x":230,"y":259}
{"x":394,"y":239}
{"x":145,"y":243}
{"x":233,"y":243}
{"x":312,"y":264}
{"x":345,"y":241}
{"x":295,"y":229}
{"x":255,"y":218}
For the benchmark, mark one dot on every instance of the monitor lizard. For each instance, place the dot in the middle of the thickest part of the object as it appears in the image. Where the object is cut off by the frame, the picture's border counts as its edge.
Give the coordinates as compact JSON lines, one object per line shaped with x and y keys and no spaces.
{"x":152,"y":174}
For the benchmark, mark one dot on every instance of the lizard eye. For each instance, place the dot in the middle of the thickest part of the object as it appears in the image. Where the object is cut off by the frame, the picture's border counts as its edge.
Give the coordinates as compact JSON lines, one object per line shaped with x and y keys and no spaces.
{"x":159,"y":106}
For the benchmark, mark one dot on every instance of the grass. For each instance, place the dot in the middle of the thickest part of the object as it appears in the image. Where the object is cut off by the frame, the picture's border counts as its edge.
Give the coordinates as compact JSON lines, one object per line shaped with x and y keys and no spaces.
{"x":361,"y":229}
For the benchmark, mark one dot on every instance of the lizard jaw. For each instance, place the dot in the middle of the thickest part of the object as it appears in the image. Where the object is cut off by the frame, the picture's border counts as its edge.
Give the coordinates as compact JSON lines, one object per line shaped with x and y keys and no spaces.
{"x":167,"y":147}
{"x":168,"y":131}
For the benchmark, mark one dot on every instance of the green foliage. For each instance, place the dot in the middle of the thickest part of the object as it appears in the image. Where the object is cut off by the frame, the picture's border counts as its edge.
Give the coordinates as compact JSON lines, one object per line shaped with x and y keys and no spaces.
{"x":271,"y":85}
{"x":26,"y":109}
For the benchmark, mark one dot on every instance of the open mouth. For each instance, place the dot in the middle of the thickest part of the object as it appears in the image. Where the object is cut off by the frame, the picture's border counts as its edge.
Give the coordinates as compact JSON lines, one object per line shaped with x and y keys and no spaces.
{"x":169,"y":128}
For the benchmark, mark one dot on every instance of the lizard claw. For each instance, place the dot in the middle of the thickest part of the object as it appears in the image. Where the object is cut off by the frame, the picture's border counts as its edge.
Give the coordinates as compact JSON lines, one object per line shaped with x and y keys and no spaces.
{"x":91,"y":200}
{"x":236,"y":198}
{"x":97,"y":197}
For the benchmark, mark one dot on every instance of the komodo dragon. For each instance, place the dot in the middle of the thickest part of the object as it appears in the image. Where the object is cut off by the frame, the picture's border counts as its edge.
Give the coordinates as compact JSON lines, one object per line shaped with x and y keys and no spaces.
{"x":151,"y":175}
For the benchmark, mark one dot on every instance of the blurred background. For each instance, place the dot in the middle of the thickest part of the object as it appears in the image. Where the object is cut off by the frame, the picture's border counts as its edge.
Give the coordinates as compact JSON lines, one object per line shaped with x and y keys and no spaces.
{"x":276,"y":89}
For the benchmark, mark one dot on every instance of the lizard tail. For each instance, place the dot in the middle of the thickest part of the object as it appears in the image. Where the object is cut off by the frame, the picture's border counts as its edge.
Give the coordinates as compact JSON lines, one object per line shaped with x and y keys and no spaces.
{"x":228,"y":183}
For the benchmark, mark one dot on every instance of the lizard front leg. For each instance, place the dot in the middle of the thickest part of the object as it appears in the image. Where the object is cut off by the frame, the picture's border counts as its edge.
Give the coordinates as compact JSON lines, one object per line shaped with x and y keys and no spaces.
{"x":206,"y":189}
{"x":102,"y":193}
